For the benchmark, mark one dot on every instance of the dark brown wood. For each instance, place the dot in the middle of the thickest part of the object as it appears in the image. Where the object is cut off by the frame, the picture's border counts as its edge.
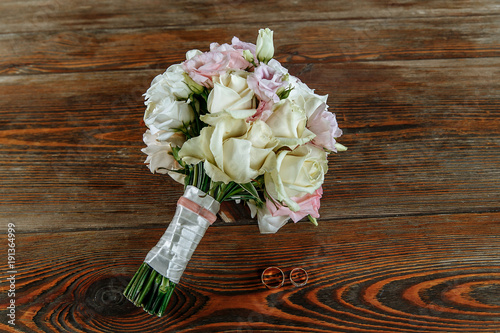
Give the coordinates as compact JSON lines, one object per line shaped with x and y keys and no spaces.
{"x":58,"y":15}
{"x":408,"y":239}
{"x":412,"y":274}
{"x":158,"y":48}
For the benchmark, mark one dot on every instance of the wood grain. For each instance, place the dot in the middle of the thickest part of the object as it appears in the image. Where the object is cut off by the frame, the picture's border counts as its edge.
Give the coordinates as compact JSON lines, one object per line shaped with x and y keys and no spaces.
{"x":411,"y":274}
{"x":158,"y":48}
{"x":56,"y":15}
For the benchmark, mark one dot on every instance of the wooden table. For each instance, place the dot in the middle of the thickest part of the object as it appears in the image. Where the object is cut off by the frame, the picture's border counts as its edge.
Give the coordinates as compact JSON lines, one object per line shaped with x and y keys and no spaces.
{"x":408,"y":239}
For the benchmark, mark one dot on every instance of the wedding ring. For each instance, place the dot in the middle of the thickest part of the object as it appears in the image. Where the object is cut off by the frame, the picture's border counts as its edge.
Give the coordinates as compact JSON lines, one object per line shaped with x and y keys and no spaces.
{"x":273,"y":277}
{"x":299,"y":277}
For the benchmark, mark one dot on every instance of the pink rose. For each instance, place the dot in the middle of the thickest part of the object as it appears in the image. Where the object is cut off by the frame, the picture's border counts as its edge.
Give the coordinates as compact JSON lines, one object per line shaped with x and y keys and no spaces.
{"x":239,"y":45}
{"x":309,"y":205}
{"x":202,"y":67}
{"x":265,"y":82}
{"x":324,"y":124}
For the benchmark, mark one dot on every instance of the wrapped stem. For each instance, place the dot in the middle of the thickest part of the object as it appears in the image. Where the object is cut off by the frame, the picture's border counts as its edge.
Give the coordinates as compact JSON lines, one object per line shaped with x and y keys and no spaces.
{"x":154,"y":282}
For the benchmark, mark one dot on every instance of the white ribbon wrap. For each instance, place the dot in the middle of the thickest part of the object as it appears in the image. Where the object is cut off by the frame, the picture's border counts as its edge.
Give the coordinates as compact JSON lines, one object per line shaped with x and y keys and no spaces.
{"x":172,"y":253}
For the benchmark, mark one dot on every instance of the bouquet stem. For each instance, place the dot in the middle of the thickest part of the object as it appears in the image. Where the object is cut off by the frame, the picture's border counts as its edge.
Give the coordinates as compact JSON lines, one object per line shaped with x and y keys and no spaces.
{"x":150,"y":289}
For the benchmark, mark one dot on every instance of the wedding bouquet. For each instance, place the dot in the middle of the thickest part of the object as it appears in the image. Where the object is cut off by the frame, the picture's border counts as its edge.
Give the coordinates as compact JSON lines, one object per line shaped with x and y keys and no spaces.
{"x":231,"y":124}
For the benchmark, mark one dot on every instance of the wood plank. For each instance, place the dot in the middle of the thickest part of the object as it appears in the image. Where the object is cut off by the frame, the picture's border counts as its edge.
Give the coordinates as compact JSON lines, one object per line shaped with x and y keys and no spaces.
{"x":303,"y":42}
{"x":52,"y":15}
{"x":403,"y":274}
{"x":423,"y":139}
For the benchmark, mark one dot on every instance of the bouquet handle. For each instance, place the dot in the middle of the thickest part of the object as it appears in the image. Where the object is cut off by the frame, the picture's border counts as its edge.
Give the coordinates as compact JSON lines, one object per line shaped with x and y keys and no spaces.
{"x":154,"y":282}
{"x":195,"y":212}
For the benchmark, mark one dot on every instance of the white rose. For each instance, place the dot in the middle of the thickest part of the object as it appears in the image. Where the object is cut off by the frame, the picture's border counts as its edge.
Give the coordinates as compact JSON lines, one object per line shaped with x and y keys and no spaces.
{"x":288,"y":123}
{"x":192,"y":53}
{"x":232,"y":95}
{"x":169,"y":84}
{"x":297,"y":172}
{"x":232,"y":150}
{"x":278,"y":67}
{"x":160,"y":159}
{"x":301,"y":89}
{"x":167,"y":115}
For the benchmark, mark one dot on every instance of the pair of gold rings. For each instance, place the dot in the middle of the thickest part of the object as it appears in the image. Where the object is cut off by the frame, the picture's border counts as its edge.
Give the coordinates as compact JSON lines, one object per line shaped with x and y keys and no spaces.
{"x":273,"y":277}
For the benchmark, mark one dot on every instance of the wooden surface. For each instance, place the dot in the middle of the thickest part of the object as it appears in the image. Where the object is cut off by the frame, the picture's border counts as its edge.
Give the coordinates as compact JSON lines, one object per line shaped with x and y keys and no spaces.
{"x":409,"y":235}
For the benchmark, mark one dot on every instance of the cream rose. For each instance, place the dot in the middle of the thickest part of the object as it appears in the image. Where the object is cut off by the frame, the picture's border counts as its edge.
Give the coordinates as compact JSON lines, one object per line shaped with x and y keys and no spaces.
{"x":297,"y":173}
{"x":232,"y":150}
{"x":288,"y":123}
{"x":232,"y":95}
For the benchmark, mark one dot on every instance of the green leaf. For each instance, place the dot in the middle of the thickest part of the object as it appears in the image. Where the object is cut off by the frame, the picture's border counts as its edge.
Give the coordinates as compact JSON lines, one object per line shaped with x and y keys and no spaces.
{"x":250,"y":189}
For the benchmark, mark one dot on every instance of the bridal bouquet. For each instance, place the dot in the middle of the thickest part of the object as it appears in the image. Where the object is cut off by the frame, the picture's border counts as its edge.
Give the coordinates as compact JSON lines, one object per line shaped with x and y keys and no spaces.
{"x":231,"y":124}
